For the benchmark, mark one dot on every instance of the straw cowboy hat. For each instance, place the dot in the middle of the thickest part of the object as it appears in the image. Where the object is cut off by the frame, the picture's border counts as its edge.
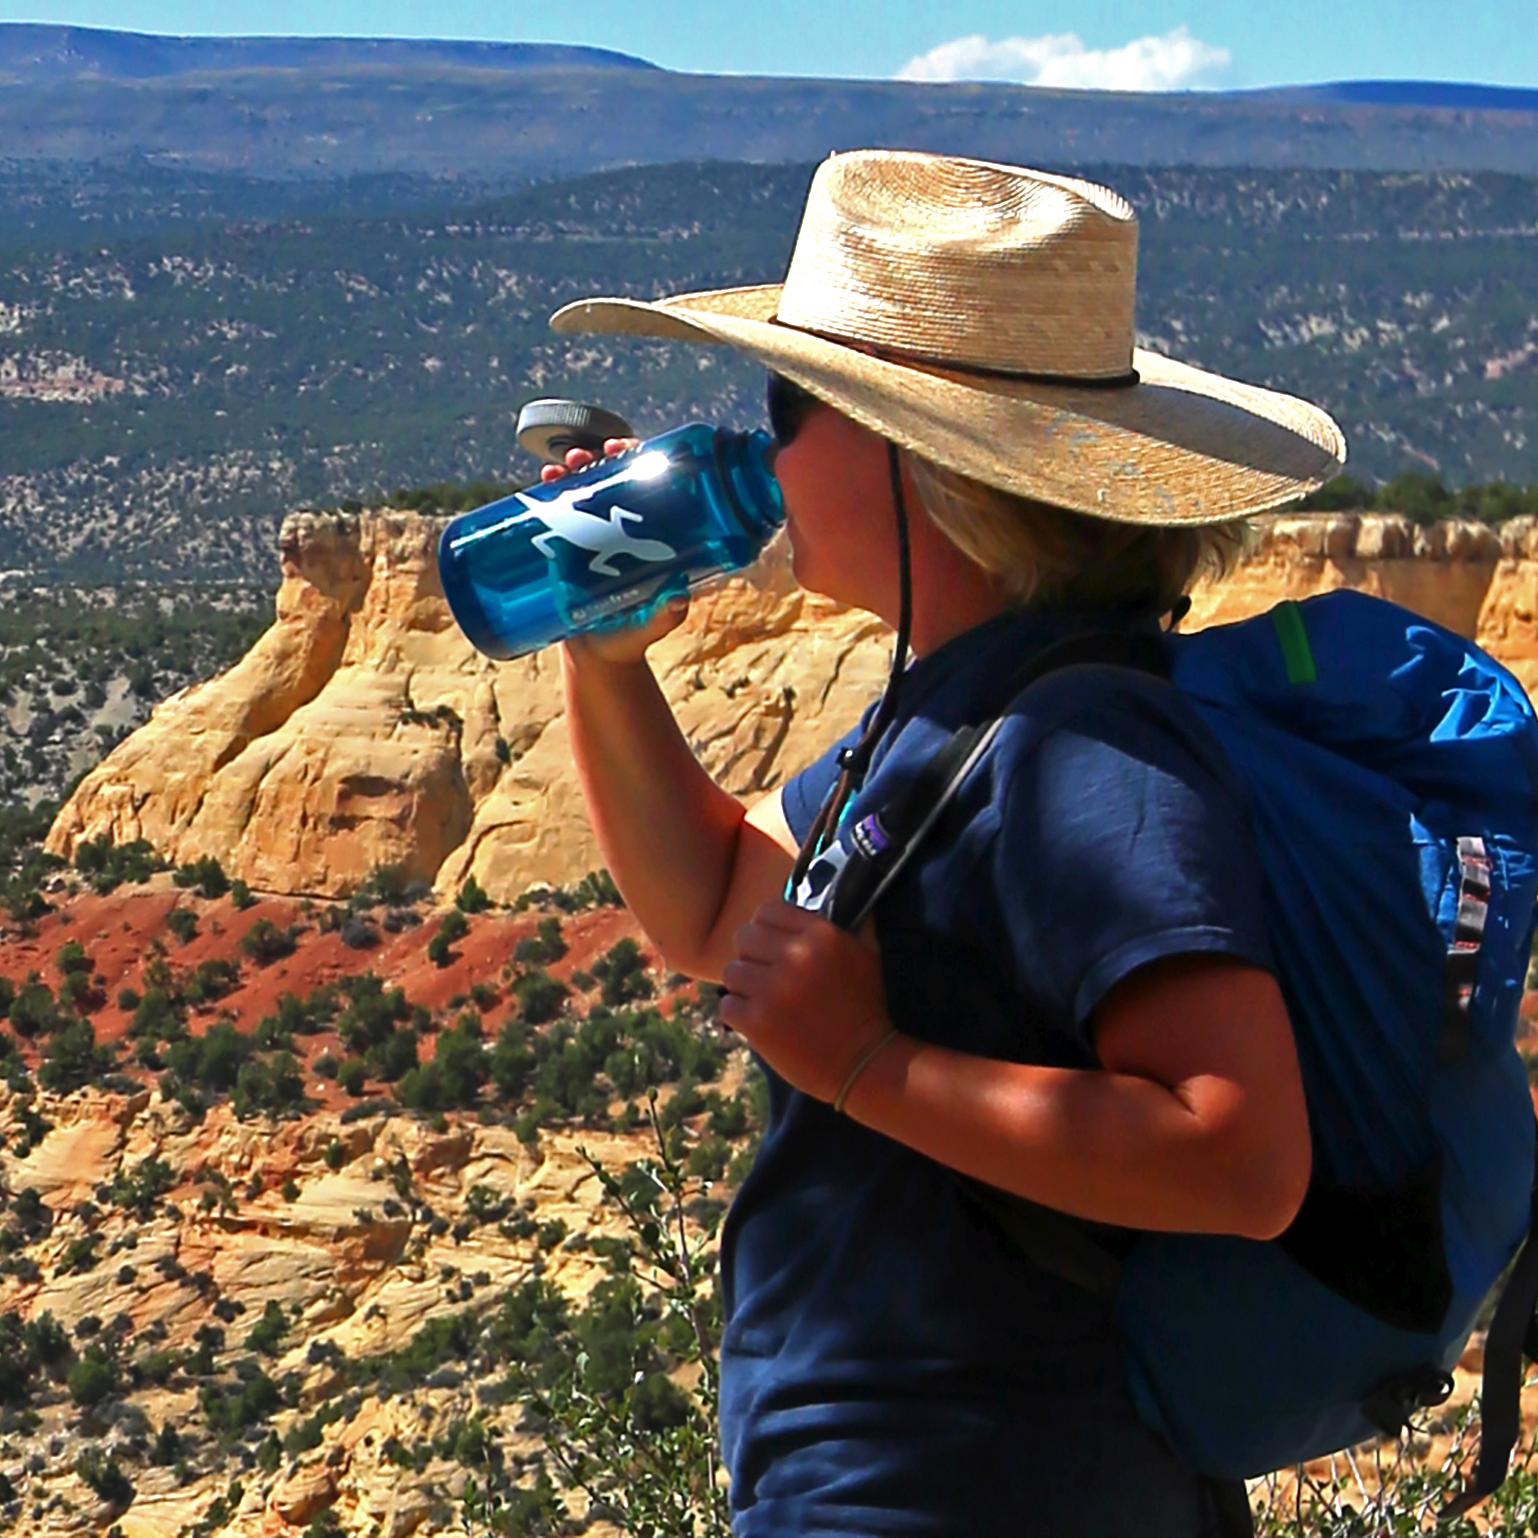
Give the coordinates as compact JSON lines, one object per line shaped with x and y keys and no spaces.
{"x":981,"y":315}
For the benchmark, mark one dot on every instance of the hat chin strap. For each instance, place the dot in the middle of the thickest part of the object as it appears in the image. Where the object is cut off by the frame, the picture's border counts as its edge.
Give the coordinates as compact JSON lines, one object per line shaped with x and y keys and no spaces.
{"x":854,"y":761}
{"x":888,"y":706}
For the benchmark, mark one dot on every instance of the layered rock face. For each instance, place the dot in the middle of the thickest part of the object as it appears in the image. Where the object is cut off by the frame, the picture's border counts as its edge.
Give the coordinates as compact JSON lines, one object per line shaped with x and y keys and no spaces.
{"x":352,"y":1262}
{"x":363,"y":729}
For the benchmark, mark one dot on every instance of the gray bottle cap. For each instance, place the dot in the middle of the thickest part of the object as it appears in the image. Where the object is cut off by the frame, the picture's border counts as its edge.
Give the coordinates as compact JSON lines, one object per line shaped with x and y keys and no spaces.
{"x":548,"y":428}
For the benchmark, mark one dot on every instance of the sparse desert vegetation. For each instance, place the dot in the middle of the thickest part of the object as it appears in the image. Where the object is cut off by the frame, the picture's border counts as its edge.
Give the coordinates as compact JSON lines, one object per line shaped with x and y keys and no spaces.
{"x":510,"y":1365}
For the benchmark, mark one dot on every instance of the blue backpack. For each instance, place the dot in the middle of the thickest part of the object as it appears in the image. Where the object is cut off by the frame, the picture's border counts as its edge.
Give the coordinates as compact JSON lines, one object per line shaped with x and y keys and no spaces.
{"x":1393,"y":773}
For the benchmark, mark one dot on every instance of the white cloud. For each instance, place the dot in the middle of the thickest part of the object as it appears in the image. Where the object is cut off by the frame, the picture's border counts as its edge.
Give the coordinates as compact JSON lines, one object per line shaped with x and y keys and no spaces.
{"x":1176,"y":61}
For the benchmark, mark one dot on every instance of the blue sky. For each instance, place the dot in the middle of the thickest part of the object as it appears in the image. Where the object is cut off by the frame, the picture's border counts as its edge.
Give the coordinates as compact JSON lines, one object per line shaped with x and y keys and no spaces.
{"x":1158,"y":44}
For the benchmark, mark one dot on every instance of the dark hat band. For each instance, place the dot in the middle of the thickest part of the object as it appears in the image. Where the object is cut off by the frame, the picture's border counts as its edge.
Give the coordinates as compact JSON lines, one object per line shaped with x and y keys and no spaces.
{"x":925,"y":360}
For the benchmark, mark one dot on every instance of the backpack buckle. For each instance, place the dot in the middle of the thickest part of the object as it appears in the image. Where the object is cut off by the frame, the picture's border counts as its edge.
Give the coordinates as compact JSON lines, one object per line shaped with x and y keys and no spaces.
{"x":1391,"y":1404}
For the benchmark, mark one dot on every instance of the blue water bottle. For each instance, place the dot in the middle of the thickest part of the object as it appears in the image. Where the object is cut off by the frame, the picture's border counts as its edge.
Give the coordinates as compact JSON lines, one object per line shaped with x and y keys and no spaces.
{"x":608,"y":545}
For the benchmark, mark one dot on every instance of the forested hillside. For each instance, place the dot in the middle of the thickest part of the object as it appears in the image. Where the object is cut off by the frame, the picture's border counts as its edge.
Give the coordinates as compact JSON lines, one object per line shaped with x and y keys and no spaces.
{"x":168,"y":391}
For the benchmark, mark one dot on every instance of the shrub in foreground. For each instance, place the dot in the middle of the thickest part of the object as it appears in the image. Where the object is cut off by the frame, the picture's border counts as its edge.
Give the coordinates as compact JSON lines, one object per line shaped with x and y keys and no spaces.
{"x":205,"y":876}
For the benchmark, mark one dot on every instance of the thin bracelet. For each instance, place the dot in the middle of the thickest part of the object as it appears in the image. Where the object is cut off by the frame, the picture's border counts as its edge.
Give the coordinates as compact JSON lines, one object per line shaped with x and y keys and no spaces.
{"x":864,"y":1062}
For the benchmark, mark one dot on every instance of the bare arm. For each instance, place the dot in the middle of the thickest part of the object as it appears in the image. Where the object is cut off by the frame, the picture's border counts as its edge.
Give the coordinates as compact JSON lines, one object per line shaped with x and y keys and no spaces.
{"x":1196,"y":1124}
{"x":1194,"y":1121}
{"x":690,"y":864}
{"x":688,"y":860}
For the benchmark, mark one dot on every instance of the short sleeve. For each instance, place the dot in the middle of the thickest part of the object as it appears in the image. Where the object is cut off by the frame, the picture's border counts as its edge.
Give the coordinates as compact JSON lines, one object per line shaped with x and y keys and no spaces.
{"x":1124,"y":838}
{"x":803,"y":794}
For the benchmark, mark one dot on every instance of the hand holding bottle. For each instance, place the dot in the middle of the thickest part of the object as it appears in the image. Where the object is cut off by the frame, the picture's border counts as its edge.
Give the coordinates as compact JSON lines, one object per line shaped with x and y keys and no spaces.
{"x":629,"y":644}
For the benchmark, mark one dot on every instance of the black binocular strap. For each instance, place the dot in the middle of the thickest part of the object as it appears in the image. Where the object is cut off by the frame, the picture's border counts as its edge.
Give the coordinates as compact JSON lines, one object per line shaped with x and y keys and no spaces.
{"x":883,"y":843}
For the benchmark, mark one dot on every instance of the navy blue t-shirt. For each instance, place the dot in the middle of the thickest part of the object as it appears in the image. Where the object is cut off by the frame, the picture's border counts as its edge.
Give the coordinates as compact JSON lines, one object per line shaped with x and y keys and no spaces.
{"x":890,"y":1365}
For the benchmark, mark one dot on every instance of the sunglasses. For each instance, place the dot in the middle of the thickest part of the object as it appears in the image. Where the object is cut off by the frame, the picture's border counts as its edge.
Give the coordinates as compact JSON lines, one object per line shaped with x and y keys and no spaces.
{"x":789,"y":406}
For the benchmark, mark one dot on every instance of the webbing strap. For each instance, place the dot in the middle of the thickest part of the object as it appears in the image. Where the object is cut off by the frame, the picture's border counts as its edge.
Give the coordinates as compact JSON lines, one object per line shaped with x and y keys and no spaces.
{"x":883,"y":842}
{"x":1501,"y":1397}
{"x":1463,"y":954}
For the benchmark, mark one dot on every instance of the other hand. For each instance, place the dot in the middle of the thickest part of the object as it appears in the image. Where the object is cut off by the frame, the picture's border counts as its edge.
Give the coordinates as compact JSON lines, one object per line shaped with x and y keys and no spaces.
{"x":806,"y":995}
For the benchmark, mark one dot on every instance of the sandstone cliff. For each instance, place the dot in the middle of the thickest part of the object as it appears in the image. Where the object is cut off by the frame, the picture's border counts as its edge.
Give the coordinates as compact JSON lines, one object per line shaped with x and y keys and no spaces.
{"x":362,"y":729}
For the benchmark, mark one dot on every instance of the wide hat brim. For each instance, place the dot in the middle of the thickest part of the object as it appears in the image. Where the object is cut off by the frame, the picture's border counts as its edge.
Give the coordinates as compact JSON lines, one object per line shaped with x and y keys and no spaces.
{"x":1181,"y":446}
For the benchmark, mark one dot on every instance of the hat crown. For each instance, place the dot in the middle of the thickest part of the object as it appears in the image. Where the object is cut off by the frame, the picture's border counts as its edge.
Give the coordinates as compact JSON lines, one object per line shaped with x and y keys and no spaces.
{"x":966,"y":262}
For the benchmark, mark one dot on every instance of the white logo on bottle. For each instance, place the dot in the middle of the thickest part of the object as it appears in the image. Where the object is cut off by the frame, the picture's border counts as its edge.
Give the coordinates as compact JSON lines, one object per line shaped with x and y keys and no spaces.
{"x":566,"y":518}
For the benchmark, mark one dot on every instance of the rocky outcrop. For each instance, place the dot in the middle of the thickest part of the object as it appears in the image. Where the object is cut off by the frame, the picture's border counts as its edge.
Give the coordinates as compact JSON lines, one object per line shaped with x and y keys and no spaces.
{"x":362,"y":729}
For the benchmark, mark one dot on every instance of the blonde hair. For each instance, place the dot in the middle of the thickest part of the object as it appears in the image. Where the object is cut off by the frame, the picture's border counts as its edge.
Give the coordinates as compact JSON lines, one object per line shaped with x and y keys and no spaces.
{"x":1039,"y":553}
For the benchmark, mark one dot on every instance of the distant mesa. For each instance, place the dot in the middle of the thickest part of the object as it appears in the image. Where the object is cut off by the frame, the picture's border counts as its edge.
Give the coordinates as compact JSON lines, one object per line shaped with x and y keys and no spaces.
{"x":1460,"y":96}
{"x":314,"y":106}
{"x":32,"y":52}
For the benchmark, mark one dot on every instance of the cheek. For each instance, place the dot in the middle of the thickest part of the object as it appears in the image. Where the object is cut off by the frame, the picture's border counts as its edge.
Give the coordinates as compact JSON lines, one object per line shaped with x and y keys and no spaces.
{"x":830,"y":554}
{"x":790,"y":470}
{"x":805,"y":509}
{"x":832,"y":481}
